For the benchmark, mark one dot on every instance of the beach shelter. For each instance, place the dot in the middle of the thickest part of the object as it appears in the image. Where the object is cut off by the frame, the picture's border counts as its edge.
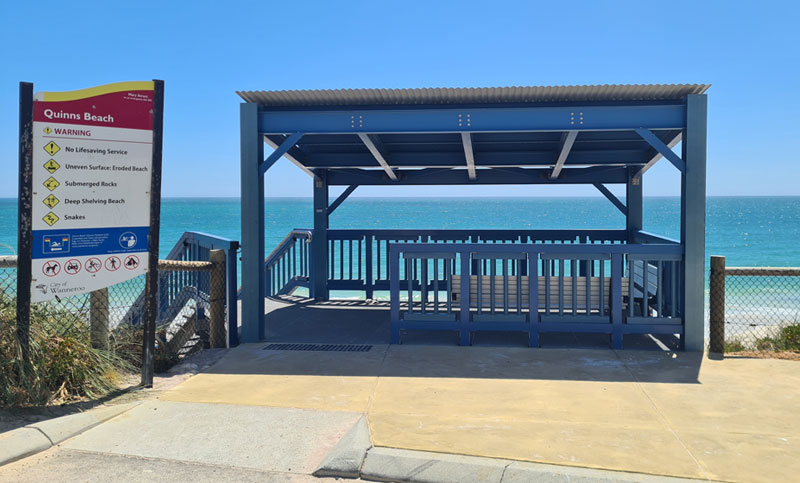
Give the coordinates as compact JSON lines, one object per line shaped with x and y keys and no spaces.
{"x":615,"y":282}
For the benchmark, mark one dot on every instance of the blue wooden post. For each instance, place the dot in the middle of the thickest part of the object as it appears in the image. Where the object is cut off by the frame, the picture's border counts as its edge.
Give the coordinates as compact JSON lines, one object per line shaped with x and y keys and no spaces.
{"x":252,"y":154}
{"x":394,"y":291}
{"x":533,"y":299}
{"x":463,"y":316}
{"x":693,"y":222}
{"x":633,"y":200}
{"x":368,"y":268}
{"x":615,"y":300}
{"x":319,"y":241}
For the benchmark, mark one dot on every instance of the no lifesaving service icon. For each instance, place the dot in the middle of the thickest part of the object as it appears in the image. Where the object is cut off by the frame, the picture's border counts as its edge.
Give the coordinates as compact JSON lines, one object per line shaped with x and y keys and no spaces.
{"x":52,"y":148}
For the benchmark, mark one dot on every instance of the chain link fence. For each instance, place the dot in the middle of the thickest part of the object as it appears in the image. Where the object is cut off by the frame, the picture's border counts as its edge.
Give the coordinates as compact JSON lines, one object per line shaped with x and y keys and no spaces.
{"x":191,"y":314}
{"x":754,"y":309}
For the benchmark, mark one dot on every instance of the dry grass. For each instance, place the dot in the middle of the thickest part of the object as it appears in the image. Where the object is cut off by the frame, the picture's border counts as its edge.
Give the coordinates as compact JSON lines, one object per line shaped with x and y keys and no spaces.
{"x":61,"y":367}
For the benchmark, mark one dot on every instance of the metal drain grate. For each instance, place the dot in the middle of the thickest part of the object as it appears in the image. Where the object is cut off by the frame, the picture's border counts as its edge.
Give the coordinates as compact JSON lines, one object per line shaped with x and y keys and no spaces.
{"x":319,"y":347}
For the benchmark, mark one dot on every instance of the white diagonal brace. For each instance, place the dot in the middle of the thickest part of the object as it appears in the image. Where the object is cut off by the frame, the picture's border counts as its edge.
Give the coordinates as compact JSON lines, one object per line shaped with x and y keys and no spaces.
{"x":288,"y":156}
{"x":466,"y":140}
{"x":658,"y":156}
{"x":376,"y":148}
{"x":566,"y":145}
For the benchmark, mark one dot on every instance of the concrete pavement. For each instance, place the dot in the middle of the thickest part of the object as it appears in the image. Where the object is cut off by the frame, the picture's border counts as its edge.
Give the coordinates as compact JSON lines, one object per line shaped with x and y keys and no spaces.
{"x":659,"y":413}
{"x":438,"y":413}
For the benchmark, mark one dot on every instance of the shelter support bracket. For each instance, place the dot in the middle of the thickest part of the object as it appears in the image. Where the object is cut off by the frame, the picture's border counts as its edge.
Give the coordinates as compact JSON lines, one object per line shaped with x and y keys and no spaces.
{"x":566,"y":146}
{"x":338,"y":201}
{"x":375,"y":146}
{"x":284,"y":148}
{"x":466,"y":140}
{"x":613,"y":199}
{"x":657,"y":157}
{"x":293,"y":154}
{"x":662,"y":148}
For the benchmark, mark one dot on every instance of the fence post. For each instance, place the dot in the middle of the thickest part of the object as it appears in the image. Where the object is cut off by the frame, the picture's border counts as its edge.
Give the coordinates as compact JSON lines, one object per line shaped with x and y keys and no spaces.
{"x":217,"y":292}
{"x":716,"y":299}
{"x":98,"y":318}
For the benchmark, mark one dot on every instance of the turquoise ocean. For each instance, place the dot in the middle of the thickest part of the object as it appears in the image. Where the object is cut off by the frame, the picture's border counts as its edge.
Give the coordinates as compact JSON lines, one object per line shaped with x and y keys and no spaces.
{"x":749,"y":231}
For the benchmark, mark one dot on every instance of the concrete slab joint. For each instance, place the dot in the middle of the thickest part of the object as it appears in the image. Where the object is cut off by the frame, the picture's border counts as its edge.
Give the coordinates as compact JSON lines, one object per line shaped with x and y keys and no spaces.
{"x":347,"y":457}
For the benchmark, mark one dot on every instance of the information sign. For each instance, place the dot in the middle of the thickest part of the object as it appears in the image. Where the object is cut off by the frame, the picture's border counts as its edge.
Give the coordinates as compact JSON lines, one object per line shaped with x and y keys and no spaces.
{"x":91,"y":180}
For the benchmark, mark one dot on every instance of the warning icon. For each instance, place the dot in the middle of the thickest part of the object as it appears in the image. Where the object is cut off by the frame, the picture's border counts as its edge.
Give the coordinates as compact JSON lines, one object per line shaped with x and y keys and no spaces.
{"x":112,"y":264}
{"x":52,"y":148}
{"x":131,"y":262}
{"x":51,"y":201}
{"x":51,"y":268}
{"x":72,"y":267}
{"x":47,"y":130}
{"x":50,"y":218}
{"x":93,"y":265}
{"x":51,"y":166}
{"x":51,"y":183}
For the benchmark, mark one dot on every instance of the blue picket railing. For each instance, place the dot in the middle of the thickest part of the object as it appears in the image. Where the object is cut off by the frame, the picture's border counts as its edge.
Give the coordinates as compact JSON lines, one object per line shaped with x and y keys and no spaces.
{"x":176,"y":287}
{"x":195,"y":246}
{"x":289,"y":265}
{"x":358,"y":260}
{"x":607,"y":288}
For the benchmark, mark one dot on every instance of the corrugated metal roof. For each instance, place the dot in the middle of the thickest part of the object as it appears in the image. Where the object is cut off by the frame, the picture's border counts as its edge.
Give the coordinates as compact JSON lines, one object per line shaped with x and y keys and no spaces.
{"x":473,"y":95}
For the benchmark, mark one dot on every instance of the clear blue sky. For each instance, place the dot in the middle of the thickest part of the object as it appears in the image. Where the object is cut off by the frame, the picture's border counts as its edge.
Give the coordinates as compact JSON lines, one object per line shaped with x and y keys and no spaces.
{"x":207,"y":50}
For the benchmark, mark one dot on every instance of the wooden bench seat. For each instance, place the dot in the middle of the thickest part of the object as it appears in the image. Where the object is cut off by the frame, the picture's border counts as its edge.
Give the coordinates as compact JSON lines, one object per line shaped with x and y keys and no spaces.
{"x":500,"y":286}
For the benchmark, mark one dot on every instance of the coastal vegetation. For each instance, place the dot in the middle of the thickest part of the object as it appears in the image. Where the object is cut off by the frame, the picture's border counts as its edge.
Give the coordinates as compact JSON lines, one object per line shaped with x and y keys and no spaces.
{"x":62,"y":365}
{"x":785,"y":341}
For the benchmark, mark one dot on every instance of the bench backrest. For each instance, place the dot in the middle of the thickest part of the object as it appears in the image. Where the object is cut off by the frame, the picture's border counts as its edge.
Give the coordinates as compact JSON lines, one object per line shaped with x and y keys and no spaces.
{"x":499,"y":293}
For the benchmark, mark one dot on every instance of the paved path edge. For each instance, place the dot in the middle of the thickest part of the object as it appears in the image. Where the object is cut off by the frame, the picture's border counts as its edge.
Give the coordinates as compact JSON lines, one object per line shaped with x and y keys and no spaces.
{"x":34,"y":438}
{"x":347,"y":457}
{"x":390,"y":464}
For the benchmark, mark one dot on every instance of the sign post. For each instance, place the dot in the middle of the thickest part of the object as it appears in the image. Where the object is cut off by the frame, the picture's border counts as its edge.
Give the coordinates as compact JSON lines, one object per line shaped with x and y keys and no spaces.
{"x":90,"y":193}
{"x":24,"y":234}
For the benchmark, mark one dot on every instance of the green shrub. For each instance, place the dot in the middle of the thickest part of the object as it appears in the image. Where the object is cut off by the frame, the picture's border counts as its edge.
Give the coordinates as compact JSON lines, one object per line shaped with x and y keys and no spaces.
{"x":734,"y":345}
{"x":788,"y":339}
{"x":62,"y":364}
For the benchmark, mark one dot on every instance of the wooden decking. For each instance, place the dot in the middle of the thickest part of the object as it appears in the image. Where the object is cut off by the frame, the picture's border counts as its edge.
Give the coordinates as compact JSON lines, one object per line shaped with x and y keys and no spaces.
{"x":298,"y":319}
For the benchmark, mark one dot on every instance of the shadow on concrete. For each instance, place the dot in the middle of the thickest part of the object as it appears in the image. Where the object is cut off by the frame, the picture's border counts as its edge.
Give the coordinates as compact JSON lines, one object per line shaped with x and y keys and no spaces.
{"x":437,"y":354}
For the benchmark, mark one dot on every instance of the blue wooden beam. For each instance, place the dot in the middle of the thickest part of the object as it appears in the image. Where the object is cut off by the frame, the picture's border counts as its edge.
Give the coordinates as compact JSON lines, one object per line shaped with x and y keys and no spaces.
{"x":482,"y":119}
{"x":297,"y":157}
{"x":662,"y":148}
{"x":653,"y":160}
{"x":497,"y":176}
{"x":466,"y":141}
{"x":566,"y":146}
{"x":338,"y":201}
{"x":482,"y":159}
{"x":373,"y":143}
{"x":284,"y":147}
{"x":613,"y":199}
